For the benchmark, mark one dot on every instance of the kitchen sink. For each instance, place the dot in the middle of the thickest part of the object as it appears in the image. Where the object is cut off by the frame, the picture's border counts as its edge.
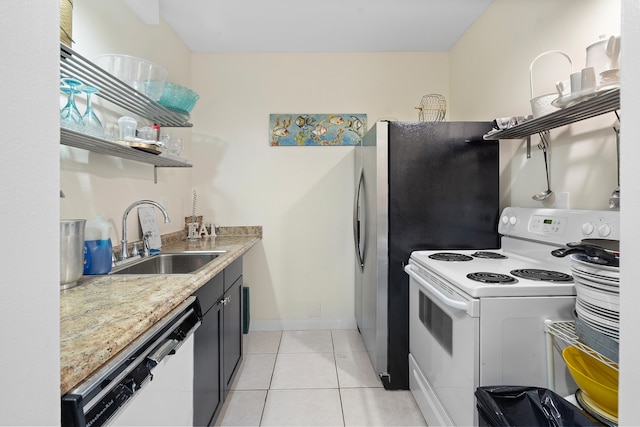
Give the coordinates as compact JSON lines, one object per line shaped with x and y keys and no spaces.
{"x":170,"y":263}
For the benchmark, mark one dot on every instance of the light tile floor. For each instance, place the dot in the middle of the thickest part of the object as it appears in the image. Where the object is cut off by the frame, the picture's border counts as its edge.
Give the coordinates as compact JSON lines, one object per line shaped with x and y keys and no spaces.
{"x":312,"y":378}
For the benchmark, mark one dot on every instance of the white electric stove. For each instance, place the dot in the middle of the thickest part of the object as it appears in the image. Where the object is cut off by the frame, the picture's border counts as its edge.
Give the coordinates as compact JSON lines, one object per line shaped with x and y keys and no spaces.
{"x":477,"y":316}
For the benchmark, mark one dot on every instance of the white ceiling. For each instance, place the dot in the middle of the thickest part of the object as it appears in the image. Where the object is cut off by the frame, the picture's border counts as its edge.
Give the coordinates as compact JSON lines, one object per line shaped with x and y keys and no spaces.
{"x":320,"y":26}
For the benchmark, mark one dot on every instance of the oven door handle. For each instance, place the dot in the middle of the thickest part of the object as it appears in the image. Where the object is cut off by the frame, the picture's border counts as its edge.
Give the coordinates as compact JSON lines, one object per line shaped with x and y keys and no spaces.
{"x":449,"y":302}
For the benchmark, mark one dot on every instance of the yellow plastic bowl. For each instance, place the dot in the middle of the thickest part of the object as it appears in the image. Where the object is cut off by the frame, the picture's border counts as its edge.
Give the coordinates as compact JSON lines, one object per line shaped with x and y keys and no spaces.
{"x":597,"y":380}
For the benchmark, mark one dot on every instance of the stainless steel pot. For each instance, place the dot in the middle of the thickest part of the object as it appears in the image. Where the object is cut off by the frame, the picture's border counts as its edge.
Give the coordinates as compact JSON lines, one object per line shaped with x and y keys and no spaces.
{"x":71,"y":251}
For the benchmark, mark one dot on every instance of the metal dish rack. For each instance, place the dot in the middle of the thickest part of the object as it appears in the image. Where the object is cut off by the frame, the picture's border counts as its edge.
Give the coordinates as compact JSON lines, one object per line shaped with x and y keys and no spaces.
{"x":605,"y":102}
{"x":121,"y":94}
{"x":566,"y":331}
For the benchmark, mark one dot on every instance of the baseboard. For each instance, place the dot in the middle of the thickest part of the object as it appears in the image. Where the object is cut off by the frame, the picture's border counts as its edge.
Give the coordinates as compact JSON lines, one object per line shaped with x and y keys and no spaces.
{"x":301,"y":325}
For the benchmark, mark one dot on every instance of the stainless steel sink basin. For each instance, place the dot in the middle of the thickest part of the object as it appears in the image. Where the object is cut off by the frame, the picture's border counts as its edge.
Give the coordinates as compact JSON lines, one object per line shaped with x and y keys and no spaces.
{"x":170,"y":263}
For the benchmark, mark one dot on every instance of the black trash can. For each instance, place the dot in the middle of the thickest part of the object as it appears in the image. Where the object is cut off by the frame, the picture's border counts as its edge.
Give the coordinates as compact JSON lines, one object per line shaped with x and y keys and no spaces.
{"x":515,"y":406}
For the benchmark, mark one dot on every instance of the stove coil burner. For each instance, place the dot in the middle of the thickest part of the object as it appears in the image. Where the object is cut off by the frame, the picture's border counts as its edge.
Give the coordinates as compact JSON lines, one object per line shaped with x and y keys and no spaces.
{"x":493,"y":278}
{"x":488,"y":255}
{"x":542,"y":275}
{"x":450,"y":256}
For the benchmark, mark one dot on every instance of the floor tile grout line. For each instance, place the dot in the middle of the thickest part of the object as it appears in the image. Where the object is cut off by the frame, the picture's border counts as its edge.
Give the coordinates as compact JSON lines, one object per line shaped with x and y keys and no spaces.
{"x":339,"y":387}
{"x":266,"y":395}
{"x":335,"y":361}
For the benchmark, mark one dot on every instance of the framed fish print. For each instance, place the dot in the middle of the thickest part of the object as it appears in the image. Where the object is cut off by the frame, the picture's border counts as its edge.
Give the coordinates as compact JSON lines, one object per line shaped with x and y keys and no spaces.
{"x":316,"y":129}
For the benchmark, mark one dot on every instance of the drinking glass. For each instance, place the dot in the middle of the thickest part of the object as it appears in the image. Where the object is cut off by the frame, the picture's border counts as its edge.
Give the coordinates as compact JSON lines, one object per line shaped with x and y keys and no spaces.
{"x":69,"y":115}
{"x":92,"y":124}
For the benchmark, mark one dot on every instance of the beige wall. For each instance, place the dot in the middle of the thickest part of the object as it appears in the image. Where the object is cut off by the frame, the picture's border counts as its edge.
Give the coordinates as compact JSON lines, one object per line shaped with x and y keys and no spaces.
{"x":303,"y":196}
{"x":95,"y":183}
{"x":490,"y":78}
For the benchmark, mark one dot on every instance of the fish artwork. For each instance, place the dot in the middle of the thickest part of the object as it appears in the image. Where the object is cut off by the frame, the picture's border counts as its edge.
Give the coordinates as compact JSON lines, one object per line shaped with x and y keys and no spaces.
{"x":317,"y":129}
{"x":335,"y":120}
{"x":280,"y":130}
{"x":304,"y":121}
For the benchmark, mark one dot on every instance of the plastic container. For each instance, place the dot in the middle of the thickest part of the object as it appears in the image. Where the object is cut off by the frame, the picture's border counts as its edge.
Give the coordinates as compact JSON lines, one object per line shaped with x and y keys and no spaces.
{"x":178,"y":97}
{"x":98,"y":246}
{"x":127,"y":127}
{"x":139,"y":73}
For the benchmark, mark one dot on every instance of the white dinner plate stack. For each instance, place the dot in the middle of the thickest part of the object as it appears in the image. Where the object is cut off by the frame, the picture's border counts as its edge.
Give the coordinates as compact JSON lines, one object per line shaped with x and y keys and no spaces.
{"x":598,"y":295}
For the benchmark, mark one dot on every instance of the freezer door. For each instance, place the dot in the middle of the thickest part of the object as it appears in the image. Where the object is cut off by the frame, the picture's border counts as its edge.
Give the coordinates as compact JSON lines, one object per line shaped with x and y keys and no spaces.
{"x":442,"y":194}
{"x":443,"y":181}
{"x":358,"y":233}
{"x":373,"y":294}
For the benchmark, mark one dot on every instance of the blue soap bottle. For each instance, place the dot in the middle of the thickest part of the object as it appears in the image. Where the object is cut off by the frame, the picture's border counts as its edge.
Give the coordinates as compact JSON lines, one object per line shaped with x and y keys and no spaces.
{"x":98,"y":246}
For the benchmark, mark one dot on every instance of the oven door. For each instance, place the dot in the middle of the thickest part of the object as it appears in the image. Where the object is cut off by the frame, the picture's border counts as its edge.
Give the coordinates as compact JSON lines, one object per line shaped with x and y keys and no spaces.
{"x":444,"y":349}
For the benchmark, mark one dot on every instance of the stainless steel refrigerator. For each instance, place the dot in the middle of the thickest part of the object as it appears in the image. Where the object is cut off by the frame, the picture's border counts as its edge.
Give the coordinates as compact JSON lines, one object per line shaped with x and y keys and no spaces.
{"x":419,"y":185}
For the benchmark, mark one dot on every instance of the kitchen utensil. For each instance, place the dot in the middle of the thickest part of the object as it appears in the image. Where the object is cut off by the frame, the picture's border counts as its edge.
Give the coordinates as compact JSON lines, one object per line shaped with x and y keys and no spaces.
{"x":596,"y":254}
{"x":127,"y":127}
{"x":70,"y":116}
{"x":597,"y":55}
{"x":576,"y":80}
{"x":607,"y":244}
{"x":613,"y":52}
{"x":149,"y":147}
{"x":543,"y":195}
{"x":614,"y":199}
{"x":177,"y":97}
{"x":597,"y":380}
{"x":563,"y":87}
{"x":588,"y":79}
{"x":541,"y":105}
{"x":142,"y":75}
{"x":92,"y":124}
{"x":432,"y":108}
{"x":71,"y":251}
{"x":610,"y":77}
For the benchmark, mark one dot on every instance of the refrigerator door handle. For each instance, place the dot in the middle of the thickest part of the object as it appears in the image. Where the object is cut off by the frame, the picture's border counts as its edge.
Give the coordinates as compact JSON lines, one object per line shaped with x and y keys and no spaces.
{"x":358,"y":225}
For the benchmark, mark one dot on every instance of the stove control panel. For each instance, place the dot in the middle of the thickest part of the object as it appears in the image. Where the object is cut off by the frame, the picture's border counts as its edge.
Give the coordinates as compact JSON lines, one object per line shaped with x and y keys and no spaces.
{"x":559,"y":225}
{"x":548,"y":224}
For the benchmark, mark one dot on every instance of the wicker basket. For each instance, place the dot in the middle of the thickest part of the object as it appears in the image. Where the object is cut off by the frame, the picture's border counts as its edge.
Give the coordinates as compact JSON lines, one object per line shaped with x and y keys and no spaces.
{"x":541,"y":105}
{"x":66,"y":18}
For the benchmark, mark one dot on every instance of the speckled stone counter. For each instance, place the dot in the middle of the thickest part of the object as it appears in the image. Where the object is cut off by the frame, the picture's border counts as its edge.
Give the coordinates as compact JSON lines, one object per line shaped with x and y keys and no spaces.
{"x":103,"y":314}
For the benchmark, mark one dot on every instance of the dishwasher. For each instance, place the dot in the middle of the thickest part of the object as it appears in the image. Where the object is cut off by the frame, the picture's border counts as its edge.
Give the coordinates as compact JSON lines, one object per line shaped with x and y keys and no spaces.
{"x":150,"y":382}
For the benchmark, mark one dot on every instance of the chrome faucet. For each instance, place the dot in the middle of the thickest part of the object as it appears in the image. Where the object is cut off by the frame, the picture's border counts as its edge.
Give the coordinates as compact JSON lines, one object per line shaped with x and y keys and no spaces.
{"x":124,"y":253}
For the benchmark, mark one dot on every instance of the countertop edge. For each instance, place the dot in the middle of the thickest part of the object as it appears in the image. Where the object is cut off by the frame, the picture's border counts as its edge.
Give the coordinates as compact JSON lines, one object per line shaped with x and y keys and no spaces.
{"x":104,"y":314}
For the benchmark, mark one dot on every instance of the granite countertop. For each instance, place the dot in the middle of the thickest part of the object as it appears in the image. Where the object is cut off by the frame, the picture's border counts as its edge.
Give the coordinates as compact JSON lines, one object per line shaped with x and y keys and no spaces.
{"x":103,"y":314}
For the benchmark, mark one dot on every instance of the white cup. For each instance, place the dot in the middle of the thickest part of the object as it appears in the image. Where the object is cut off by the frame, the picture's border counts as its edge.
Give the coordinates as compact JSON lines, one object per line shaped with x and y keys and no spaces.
{"x":588,"y":78}
{"x":127,"y":127}
{"x":576,"y":82}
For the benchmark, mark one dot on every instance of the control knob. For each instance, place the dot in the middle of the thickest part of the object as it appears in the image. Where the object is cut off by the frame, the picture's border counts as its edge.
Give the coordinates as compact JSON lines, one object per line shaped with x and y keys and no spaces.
{"x":604,"y":230}
{"x":587,"y":228}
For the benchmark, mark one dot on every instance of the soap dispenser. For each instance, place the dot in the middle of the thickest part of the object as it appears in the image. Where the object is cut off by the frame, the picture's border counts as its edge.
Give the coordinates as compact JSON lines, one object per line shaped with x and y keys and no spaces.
{"x":98,"y":246}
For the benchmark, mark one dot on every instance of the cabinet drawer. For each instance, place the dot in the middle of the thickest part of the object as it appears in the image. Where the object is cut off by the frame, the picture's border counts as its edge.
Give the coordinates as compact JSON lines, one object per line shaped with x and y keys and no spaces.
{"x":232,"y":273}
{"x":211,"y":292}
